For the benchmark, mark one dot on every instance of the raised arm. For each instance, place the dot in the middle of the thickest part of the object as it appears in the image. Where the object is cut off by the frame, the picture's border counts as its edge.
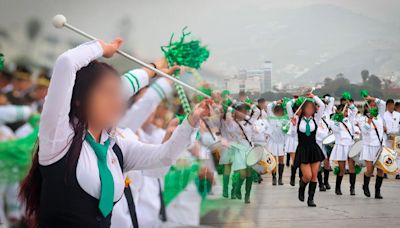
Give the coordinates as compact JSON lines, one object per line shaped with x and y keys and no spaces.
{"x":138,"y":155}
{"x":270,"y":108}
{"x":55,"y":131}
{"x":329,"y":106}
{"x":321,"y":108}
{"x":381,"y":106}
{"x":14,"y":113}
{"x":141,"y":110}
{"x":289,"y":108}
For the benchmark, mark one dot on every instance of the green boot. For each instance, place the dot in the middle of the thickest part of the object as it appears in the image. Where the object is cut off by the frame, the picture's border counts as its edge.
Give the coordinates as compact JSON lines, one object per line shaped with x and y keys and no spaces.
{"x":239,"y":188}
{"x":249,"y":182}
{"x":235,"y":180}
{"x":225,"y":183}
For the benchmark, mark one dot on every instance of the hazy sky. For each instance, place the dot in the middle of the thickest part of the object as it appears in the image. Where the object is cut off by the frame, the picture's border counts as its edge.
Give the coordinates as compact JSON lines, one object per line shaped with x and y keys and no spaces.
{"x":152,"y":21}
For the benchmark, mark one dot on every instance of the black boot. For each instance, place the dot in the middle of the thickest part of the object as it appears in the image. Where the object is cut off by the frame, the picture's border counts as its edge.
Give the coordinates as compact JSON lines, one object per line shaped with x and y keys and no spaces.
{"x":366,"y":186}
{"x":378,"y":184}
{"x":320,"y":183}
{"x":249,"y":182}
{"x":338,"y":183}
{"x":234,"y":183}
{"x":287,"y":160}
{"x":225,"y":186}
{"x":239,"y":189}
{"x":352,"y":184}
{"x":274,"y":178}
{"x":292,"y":175}
{"x":280,"y":172}
{"x":311,"y":192}
{"x":326,"y":179}
{"x":302,"y":189}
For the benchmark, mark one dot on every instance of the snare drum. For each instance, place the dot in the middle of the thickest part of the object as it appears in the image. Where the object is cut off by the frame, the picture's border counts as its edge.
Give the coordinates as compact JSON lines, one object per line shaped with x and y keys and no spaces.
{"x":329,"y":140}
{"x":396,"y":145}
{"x":355,"y":153}
{"x":386,"y":161}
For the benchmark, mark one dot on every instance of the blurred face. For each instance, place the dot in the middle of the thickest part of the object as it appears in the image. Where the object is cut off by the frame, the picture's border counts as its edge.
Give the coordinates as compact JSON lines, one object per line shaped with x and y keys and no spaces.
{"x":263,"y":105}
{"x":390,"y":107}
{"x":397,"y":108}
{"x":309,"y":109}
{"x":40,"y":92}
{"x":3,"y":99}
{"x":105,"y":104}
{"x":21,"y":85}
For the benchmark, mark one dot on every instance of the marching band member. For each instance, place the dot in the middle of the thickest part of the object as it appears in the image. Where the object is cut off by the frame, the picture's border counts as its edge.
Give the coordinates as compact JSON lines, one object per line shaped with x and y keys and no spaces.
{"x":276,"y":142}
{"x":372,"y":129}
{"x":322,"y":132}
{"x":76,"y":175}
{"x":291,"y":141}
{"x":242,"y":133}
{"x":308,"y":154}
{"x":344,"y":131}
{"x":392,"y":122}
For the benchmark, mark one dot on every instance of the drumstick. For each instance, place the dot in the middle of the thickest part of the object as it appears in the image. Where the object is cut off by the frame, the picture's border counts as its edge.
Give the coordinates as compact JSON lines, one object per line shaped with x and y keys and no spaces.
{"x":59,"y":21}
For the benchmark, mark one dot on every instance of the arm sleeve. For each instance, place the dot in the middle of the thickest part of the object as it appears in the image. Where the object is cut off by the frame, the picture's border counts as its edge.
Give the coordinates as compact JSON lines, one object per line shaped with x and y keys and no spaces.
{"x":289,"y":108}
{"x":133,"y":81}
{"x":55,"y":131}
{"x":14,"y":113}
{"x":142,"y":109}
{"x":381,"y":106}
{"x":270,"y":108}
{"x":321,"y":108}
{"x":329,"y":107}
{"x":138,"y":155}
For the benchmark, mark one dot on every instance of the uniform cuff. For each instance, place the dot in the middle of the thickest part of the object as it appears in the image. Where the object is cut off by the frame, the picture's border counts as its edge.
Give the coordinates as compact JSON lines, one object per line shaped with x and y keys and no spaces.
{"x":133,"y":81}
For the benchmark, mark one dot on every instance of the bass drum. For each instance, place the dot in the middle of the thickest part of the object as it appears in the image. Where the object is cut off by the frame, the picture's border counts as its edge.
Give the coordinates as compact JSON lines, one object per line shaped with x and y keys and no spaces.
{"x":386,"y":161}
{"x":355,"y":153}
{"x":254,"y":155}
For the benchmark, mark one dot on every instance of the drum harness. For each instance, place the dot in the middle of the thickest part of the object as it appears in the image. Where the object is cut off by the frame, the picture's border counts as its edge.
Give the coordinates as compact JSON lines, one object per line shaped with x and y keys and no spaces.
{"x":245,"y":136}
{"x":348,"y":130}
{"x":380,"y":140}
{"x":326,"y":124}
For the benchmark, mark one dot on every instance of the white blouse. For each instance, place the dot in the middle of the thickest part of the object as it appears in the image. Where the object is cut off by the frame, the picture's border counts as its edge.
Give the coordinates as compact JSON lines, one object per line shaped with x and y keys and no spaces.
{"x":56,"y":133}
{"x":317,"y":117}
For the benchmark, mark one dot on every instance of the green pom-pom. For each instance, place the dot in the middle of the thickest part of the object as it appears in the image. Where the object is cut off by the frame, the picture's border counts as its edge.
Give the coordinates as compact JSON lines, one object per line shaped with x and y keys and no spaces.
{"x":299,"y":101}
{"x":1,"y":61}
{"x":374,"y":111}
{"x":226,"y":103}
{"x":205,"y":90}
{"x":346,"y":96}
{"x":336,"y":170}
{"x":225,"y":93}
{"x":338,"y":117}
{"x":185,"y":53}
{"x":364,"y":93}
{"x":357,"y":169}
{"x":248,"y":101}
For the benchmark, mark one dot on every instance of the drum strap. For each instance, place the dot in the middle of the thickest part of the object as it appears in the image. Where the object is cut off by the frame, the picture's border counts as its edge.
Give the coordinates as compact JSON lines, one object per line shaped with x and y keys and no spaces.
{"x":209,"y":129}
{"x":348,"y":130}
{"x":323,"y":119}
{"x":244,"y":133}
{"x":377,"y":133}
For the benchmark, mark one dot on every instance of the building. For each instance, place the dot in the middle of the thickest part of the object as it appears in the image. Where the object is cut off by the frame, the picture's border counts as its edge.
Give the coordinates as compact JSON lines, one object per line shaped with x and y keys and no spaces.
{"x":256,"y":80}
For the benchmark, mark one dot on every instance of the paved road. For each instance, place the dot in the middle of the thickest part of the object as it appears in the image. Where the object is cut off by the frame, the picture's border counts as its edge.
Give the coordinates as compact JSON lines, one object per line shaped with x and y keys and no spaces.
{"x":278,"y":206}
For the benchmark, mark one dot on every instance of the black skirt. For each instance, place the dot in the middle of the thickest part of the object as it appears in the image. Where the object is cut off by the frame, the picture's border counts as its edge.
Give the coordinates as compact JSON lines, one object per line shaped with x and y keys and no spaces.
{"x":307,"y":154}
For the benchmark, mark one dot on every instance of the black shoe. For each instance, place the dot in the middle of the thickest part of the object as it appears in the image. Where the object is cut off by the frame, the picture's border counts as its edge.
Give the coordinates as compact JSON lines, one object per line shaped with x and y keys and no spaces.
{"x":302,"y":189}
{"x":338,"y":191}
{"x":274,"y":180}
{"x":292,"y":176}
{"x":378,"y":184}
{"x":311,"y":192}
{"x":280,"y":173}
{"x":352,"y":184}
{"x":246,"y":200}
{"x":385,"y":176}
{"x":398,"y":177}
{"x":367,"y":193}
{"x":326,"y":179}
{"x":280,"y":182}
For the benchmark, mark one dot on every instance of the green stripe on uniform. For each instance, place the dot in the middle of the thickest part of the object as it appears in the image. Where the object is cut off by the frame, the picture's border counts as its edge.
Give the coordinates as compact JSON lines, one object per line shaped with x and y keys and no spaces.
{"x":157,"y":90}
{"x":137,"y":81}
{"x":130,"y":80}
{"x":160,"y":89}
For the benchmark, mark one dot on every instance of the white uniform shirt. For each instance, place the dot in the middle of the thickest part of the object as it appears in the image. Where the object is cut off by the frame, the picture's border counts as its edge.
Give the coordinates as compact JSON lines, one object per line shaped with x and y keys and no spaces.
{"x":317,"y":117}
{"x":369,"y":135}
{"x":392,"y":121}
{"x":55,"y":131}
{"x":274,"y":125}
{"x":323,"y":128}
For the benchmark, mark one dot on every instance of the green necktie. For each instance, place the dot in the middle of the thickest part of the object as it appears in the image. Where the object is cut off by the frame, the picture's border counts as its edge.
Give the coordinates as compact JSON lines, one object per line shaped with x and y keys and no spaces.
{"x":308,"y":128}
{"x":106,"y":199}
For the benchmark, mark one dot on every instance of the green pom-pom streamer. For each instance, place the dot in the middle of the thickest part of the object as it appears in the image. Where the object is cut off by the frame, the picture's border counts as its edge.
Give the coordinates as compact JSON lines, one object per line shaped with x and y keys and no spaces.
{"x":1,"y":61}
{"x":181,"y":118}
{"x":338,"y":117}
{"x":248,"y":101}
{"x":285,"y":100}
{"x":182,"y":53}
{"x":357,"y":170}
{"x":205,"y":90}
{"x":226,"y":103}
{"x":346,"y":96}
{"x":300,"y":101}
{"x":225,"y":93}
{"x":364,"y":93}
{"x":374,"y":111}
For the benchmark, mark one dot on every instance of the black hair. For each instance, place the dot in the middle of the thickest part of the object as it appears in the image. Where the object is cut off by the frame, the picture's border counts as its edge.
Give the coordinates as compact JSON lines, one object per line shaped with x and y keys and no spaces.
{"x":389,"y":101}
{"x":261,"y":100}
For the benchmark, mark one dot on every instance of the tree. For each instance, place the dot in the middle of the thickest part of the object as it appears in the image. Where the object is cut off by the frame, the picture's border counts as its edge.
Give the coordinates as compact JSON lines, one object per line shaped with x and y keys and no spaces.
{"x":364,"y":75}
